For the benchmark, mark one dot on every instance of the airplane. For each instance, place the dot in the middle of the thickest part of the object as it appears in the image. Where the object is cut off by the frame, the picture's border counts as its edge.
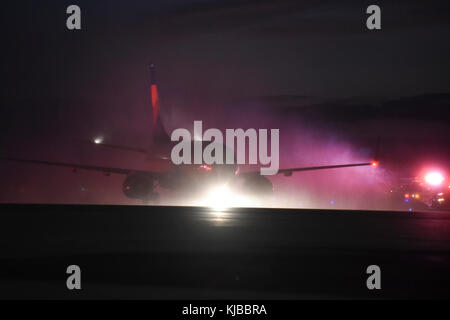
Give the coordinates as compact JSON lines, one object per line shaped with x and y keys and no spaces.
{"x":183,"y":178}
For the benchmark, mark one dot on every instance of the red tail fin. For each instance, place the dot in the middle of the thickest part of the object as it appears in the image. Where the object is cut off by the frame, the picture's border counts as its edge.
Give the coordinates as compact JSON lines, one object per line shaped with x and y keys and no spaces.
{"x":154,"y":95}
{"x":159,"y":133}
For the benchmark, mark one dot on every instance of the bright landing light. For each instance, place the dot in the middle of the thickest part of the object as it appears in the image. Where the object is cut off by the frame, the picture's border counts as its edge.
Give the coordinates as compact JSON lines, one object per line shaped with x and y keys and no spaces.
{"x":434,"y":178}
{"x":221,"y":198}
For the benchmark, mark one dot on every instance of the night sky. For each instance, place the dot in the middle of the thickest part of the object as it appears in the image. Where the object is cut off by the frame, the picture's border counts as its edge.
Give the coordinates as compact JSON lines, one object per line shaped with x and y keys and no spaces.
{"x":310,"y":68}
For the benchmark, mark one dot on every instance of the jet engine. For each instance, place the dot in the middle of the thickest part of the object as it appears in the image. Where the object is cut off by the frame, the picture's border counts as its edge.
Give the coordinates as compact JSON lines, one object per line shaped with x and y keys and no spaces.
{"x":140,"y":186}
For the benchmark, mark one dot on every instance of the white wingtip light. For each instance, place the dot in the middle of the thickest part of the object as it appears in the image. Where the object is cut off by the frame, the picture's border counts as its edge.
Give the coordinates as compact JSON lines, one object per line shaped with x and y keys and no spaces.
{"x":98,"y":140}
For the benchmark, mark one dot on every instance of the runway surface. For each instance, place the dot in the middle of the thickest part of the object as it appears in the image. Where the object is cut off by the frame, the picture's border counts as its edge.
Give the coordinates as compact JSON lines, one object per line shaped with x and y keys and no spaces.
{"x":195,"y":253}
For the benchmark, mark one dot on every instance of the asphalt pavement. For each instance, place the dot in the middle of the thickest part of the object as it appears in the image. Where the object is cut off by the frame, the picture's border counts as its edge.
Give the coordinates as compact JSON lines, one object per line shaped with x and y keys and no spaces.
{"x":151,"y":252}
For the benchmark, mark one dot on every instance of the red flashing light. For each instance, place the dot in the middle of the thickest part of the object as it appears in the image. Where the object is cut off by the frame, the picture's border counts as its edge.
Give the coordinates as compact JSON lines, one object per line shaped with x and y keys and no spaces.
{"x":374,"y":163}
{"x":434,"y":178}
{"x":406,"y":195}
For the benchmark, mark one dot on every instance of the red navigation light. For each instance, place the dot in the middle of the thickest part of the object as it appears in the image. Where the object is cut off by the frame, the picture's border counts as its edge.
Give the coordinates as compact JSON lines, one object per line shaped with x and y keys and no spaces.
{"x":374,"y":163}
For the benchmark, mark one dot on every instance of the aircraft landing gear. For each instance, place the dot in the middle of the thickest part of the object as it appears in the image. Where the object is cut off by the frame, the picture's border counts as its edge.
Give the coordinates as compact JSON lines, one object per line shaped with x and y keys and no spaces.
{"x":153,"y":198}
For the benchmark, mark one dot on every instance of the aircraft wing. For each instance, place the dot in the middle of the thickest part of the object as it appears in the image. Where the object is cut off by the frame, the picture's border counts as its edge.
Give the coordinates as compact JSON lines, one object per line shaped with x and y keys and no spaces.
{"x":288,"y":172}
{"x":115,"y":146}
{"x":74,"y":166}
